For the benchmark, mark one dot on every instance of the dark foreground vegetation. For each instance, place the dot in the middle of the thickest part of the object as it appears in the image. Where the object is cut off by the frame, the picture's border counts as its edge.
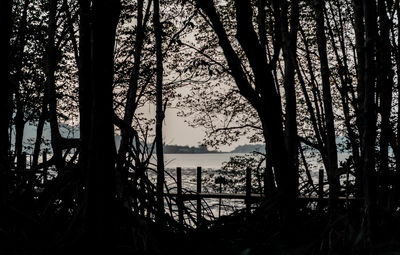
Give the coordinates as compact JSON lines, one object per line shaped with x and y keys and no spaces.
{"x":295,"y":75}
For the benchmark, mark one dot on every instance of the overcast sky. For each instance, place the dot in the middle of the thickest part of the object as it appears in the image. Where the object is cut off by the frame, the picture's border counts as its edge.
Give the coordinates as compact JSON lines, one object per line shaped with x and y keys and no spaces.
{"x":176,"y":131}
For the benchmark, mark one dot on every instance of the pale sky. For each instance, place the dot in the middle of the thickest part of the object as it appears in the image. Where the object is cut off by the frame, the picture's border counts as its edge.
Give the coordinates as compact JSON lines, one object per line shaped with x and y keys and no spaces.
{"x":176,"y":131}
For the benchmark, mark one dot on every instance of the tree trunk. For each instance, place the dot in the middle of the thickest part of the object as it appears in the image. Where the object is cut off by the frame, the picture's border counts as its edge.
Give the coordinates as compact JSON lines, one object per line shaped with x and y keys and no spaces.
{"x":51,"y":66}
{"x":359,"y":38}
{"x":19,"y":130}
{"x":333,"y":178}
{"x":269,"y":179}
{"x":19,"y":116}
{"x":369,"y":125}
{"x":131,"y":102}
{"x":85,"y":95}
{"x":159,"y":109}
{"x":5,"y":96}
{"x":39,"y":131}
{"x":102,"y":153}
{"x":345,"y":88}
{"x":396,"y":186}
{"x":385,"y":88}
{"x":316,"y":112}
{"x":261,"y":20}
{"x":289,"y":53}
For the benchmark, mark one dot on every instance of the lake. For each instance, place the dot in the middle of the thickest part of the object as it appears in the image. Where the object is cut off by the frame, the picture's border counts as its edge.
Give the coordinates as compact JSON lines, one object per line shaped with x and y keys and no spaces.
{"x":209,"y":160}
{"x":205,"y":160}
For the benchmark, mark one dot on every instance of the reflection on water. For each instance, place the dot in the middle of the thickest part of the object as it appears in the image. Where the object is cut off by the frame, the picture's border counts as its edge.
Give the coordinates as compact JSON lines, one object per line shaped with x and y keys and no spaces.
{"x":205,"y":160}
{"x":211,"y":160}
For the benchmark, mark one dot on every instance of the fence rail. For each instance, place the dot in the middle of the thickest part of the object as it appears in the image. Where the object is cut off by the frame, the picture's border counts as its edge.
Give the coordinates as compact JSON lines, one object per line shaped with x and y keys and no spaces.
{"x":248,"y":197}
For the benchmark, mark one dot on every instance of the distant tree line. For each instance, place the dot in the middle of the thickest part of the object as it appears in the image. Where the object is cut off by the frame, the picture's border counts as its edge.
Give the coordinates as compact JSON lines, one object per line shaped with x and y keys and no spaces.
{"x":186,"y":149}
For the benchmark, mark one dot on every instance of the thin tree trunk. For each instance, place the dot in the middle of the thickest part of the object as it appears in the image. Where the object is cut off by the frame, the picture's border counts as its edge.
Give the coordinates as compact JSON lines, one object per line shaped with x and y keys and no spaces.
{"x":359,"y":38}
{"x":51,"y":66}
{"x":333,"y":179}
{"x":39,"y":132}
{"x":396,"y":186}
{"x":345,"y":88}
{"x":132,"y":98}
{"x":159,"y":109}
{"x":71,"y":31}
{"x":289,"y":53}
{"x":269,"y":178}
{"x":85,"y":95}
{"x":369,"y":132}
{"x":19,"y":116}
{"x":385,"y":88}
{"x":19,"y":130}
{"x":319,"y":113}
{"x":5,"y":96}
{"x":131,"y":102}
{"x":313,"y":116}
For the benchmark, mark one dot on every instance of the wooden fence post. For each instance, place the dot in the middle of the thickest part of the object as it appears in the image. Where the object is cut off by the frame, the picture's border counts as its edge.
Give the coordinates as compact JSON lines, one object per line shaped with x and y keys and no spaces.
{"x":24,"y":174}
{"x":30,"y":161}
{"x":248,"y":190}
{"x":23,"y":167}
{"x":179,"y":194}
{"x":44,"y":160}
{"x":320,"y":188}
{"x":198,"y":195}
{"x":220,"y":200}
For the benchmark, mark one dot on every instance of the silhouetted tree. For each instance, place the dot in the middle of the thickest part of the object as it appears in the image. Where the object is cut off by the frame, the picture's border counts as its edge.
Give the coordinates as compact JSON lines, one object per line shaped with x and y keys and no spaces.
{"x":5,"y":96}
{"x":384,"y":93}
{"x":289,"y":48}
{"x":18,"y":52}
{"x":159,"y":107}
{"x":85,"y":95}
{"x":333,"y":178}
{"x":369,"y":121}
{"x":51,"y":66}
{"x":262,"y":95}
{"x":129,"y":135}
{"x":100,"y":209}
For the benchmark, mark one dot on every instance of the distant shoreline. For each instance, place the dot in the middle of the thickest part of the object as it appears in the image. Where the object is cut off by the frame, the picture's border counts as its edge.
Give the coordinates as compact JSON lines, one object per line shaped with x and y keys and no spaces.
{"x":202,"y":149}
{"x":211,"y":152}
